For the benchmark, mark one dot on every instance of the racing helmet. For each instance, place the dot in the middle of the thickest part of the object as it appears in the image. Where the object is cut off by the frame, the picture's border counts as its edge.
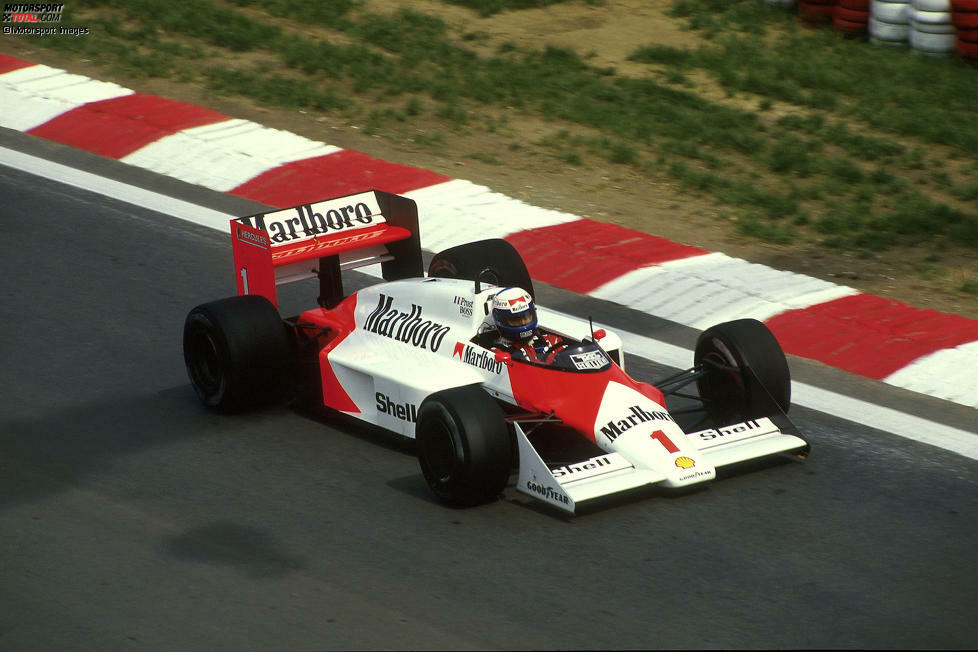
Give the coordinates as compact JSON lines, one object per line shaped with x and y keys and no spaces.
{"x":514,"y":314}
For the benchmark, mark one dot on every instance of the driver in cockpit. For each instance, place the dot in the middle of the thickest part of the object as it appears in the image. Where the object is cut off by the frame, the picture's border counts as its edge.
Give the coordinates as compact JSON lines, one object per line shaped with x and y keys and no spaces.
{"x":515,"y":318}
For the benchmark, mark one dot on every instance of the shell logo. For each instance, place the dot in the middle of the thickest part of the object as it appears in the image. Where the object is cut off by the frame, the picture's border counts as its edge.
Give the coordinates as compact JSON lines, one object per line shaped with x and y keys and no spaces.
{"x":685,"y":462}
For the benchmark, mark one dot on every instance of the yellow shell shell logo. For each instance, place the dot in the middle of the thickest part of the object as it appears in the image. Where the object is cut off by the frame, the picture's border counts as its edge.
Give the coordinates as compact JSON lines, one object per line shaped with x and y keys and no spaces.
{"x":685,"y":462}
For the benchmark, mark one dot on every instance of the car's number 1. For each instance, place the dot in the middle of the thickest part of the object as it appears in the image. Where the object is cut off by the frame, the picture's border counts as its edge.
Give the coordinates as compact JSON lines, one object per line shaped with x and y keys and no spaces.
{"x":665,"y":441}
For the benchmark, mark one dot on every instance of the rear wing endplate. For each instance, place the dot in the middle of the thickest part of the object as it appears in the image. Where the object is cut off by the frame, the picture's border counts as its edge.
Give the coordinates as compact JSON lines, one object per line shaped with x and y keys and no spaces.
{"x":320,"y":239}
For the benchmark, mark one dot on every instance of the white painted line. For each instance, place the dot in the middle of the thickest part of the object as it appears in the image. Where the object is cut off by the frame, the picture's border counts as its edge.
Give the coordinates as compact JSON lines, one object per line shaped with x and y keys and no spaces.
{"x":905,"y":425}
{"x":899,"y":423}
{"x":116,"y":189}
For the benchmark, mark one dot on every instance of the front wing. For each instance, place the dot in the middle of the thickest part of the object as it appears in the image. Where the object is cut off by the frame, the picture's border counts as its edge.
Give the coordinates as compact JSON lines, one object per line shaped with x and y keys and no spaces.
{"x":611,"y":473}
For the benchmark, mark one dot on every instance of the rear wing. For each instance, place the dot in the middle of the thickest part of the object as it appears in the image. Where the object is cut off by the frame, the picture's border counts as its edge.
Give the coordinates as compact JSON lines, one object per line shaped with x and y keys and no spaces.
{"x":320,"y":239}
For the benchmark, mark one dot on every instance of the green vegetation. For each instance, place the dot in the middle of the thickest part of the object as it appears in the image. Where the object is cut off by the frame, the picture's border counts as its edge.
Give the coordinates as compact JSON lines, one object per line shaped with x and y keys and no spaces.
{"x":843,"y":116}
{"x":818,"y":139}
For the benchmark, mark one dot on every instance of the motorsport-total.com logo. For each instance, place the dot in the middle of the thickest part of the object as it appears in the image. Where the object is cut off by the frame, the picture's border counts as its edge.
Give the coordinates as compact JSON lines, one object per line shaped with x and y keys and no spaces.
{"x":24,"y":17}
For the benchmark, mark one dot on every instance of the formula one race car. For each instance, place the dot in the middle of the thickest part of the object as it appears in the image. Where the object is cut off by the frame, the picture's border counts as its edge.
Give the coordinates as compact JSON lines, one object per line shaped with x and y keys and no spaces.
{"x":415,"y":355}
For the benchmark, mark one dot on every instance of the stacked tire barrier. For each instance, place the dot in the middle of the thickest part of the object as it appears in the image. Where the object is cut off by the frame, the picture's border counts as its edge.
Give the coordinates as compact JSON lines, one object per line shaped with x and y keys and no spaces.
{"x":933,"y":27}
{"x":964,"y":17}
{"x":931,"y":31}
{"x":816,"y":12}
{"x":889,"y":22}
{"x":851,"y":17}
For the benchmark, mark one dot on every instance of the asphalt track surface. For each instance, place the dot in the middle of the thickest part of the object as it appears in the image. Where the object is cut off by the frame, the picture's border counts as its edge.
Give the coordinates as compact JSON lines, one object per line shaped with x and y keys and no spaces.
{"x":132,"y":518}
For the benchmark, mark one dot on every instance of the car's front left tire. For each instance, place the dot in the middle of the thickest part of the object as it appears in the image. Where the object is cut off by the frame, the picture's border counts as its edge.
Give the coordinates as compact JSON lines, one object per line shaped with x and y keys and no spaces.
{"x":464,"y":446}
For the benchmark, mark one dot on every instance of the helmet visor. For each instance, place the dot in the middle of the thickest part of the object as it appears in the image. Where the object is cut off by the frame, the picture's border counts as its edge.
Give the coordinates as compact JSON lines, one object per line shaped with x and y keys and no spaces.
{"x":521,"y":319}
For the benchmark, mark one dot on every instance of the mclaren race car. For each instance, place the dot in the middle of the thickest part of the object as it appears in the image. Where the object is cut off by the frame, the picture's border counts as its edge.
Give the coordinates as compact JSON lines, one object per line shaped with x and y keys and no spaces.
{"x":416,"y":354}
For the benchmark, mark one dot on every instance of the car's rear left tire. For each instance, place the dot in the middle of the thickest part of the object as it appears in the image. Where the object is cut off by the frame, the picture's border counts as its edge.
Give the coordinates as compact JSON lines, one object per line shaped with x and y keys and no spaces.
{"x":237,"y":352}
{"x":747,"y":374}
{"x":464,"y":446}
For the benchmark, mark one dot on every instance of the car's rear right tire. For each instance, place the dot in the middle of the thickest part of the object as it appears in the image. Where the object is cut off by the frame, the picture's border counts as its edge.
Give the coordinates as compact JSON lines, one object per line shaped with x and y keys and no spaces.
{"x":469,"y":260}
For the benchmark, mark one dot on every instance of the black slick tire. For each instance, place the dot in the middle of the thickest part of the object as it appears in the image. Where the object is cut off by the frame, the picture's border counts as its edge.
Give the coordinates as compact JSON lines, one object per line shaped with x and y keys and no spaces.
{"x":468,"y":260}
{"x":238,"y":353}
{"x":464,"y":446}
{"x":747,"y":372}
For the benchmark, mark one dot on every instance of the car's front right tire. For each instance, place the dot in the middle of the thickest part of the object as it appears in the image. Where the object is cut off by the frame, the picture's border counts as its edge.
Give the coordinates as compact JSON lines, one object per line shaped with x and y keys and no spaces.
{"x":747,"y":374}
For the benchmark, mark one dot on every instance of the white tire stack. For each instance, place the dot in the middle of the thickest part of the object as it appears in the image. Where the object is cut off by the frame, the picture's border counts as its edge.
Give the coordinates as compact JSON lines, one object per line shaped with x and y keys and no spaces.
{"x":931,"y":30}
{"x":889,"y":22}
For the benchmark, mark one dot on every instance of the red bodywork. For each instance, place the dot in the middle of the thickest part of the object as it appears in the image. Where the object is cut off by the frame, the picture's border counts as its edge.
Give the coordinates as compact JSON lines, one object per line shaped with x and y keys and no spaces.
{"x":256,"y":260}
{"x":574,"y":398}
{"x":336,"y":325}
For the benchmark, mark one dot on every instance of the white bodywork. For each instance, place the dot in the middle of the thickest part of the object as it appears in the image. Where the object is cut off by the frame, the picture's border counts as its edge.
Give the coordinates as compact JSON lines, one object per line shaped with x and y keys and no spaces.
{"x":566,"y":486}
{"x":414,"y":338}
{"x":370,"y":362}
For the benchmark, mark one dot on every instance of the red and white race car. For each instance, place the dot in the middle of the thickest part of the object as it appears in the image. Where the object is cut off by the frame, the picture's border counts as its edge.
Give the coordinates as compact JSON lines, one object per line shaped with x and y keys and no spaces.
{"x":414,"y":355}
